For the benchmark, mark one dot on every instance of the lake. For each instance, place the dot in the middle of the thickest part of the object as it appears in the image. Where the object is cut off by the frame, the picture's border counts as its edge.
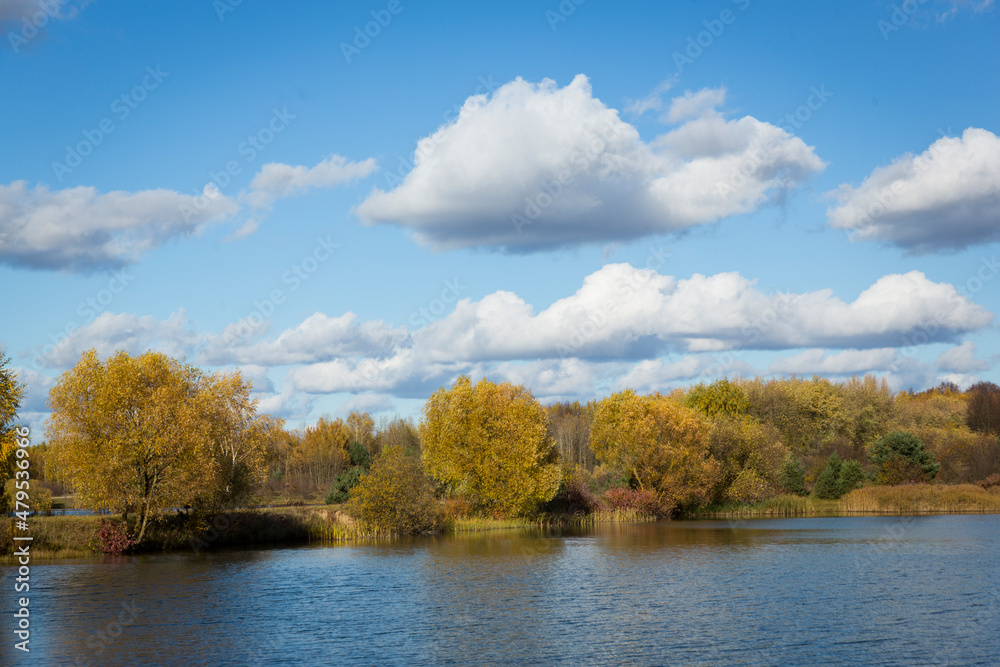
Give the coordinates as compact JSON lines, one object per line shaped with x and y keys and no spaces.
{"x":857,"y":590}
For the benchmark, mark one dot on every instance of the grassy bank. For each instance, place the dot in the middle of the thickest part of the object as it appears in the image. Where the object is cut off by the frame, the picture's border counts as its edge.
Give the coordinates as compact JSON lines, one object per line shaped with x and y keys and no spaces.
{"x":78,"y":536}
{"x":778,"y":506}
{"x":922,"y":498}
{"x":905,"y":499}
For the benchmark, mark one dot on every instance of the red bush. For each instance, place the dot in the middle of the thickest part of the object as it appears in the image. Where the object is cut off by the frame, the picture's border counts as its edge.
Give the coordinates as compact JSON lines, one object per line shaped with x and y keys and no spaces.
{"x":113,"y":539}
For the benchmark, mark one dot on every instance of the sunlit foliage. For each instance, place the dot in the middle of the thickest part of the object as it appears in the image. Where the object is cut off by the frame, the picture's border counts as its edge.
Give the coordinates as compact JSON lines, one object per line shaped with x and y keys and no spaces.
{"x":661,"y":444}
{"x":11,"y":395}
{"x":720,"y":397}
{"x":141,"y":434}
{"x":396,"y":496}
{"x":490,"y":441}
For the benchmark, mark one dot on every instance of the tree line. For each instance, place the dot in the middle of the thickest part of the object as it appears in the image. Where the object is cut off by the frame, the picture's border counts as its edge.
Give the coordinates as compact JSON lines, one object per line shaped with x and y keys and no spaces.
{"x":142,"y":436}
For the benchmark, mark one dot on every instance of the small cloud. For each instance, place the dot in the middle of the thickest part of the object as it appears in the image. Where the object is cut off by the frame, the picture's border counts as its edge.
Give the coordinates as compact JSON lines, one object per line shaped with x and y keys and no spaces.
{"x":278,"y":181}
{"x":946,"y":198}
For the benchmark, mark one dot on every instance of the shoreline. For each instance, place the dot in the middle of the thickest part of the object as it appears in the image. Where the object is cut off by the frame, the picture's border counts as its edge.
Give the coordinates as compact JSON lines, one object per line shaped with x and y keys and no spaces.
{"x":76,"y":536}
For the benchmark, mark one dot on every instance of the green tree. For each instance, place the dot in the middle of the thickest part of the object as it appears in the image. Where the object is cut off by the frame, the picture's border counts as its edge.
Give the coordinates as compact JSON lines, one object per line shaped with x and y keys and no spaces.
{"x":361,"y":462}
{"x":851,"y":476}
{"x":793,"y":477}
{"x":900,"y":457}
{"x":490,"y":441}
{"x":828,"y":483}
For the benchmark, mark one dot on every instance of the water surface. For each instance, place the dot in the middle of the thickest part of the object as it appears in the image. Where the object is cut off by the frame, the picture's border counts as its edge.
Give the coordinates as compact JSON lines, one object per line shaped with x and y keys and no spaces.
{"x":873,"y":590}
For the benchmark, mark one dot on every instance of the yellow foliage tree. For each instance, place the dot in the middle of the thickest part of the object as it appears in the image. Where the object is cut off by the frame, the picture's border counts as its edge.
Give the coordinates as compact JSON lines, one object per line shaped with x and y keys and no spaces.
{"x":320,"y":454}
{"x":241,"y":441}
{"x":660,"y":443}
{"x":396,"y":496}
{"x":490,"y":441}
{"x":11,"y":395}
{"x":142,"y":434}
{"x":750,"y":455}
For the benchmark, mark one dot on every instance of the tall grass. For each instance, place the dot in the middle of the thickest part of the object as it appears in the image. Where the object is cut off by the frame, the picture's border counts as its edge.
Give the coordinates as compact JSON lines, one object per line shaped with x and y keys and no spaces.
{"x":622,"y":515}
{"x":778,"y":506}
{"x":909,"y":498}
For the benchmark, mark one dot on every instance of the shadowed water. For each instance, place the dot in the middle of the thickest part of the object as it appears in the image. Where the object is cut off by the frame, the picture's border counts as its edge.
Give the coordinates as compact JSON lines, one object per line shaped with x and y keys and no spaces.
{"x":872,"y":590}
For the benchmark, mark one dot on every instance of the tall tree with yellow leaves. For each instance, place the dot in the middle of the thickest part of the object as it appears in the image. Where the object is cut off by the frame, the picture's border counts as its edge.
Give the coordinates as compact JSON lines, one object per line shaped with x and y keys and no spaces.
{"x":490,"y":440}
{"x":141,"y":434}
{"x":11,"y":395}
{"x":662,"y":444}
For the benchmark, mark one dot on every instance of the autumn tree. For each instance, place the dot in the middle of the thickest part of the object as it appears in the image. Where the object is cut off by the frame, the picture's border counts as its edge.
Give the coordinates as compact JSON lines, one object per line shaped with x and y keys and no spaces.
{"x":11,"y":395}
{"x":661,"y":444}
{"x":362,"y":428}
{"x":722,"y":396}
{"x":984,"y":408}
{"x":397,"y":432}
{"x":750,"y":456}
{"x":141,"y":434}
{"x":319,"y":455}
{"x":490,"y":441}
{"x":129,"y":433}
{"x":396,"y":496}
{"x":569,"y":425}
{"x":241,"y":441}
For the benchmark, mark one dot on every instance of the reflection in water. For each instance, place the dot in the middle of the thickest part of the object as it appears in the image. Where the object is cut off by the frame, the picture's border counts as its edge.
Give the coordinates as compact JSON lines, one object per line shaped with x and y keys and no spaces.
{"x":900,"y":590}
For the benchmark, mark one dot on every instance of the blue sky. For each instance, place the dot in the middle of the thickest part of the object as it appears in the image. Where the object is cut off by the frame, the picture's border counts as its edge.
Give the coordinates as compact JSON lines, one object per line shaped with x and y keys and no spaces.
{"x":354,"y":203}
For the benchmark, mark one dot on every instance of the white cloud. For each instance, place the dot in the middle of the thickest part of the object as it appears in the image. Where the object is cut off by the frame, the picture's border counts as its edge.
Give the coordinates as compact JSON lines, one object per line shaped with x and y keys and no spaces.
{"x":946,"y":198}
{"x":847,"y":362}
{"x":536,"y":166}
{"x":621,"y":313}
{"x":81,"y":229}
{"x":624,"y":312}
{"x":110,"y":332}
{"x":318,"y":338}
{"x":36,"y":389}
{"x":277,"y":181}
{"x":658,"y":374}
{"x":370,"y":403}
{"x":696,"y":105}
{"x":961,"y":359}
{"x":651,"y":102}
